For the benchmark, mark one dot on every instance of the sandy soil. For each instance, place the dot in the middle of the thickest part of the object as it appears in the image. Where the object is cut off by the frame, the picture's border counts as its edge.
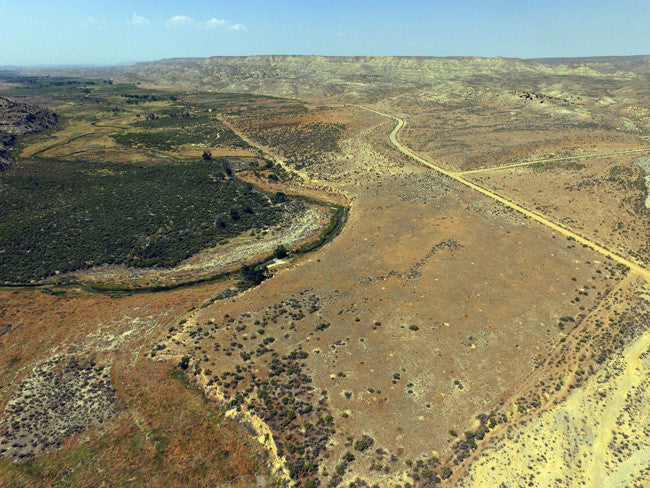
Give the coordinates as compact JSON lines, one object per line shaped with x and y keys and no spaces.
{"x":617,"y":217}
{"x":597,"y":437}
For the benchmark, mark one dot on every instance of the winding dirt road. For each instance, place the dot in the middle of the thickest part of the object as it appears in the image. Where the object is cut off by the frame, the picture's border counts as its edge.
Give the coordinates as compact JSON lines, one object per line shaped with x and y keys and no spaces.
{"x":634,"y":267}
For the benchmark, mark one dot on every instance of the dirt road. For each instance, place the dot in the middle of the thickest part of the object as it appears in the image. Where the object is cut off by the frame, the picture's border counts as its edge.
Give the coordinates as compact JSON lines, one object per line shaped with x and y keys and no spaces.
{"x":508,"y":203}
{"x":549,"y":160}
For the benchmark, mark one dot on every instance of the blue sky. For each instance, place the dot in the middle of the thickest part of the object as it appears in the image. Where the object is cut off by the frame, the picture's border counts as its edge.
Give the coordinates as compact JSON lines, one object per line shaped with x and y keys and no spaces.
{"x":58,"y":32}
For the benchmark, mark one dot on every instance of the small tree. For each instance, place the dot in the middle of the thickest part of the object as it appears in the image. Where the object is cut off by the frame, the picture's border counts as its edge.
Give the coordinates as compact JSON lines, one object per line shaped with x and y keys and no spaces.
{"x":225,"y":166}
{"x":279,"y":197}
{"x":207,"y":156}
{"x":280,"y":252}
{"x":184,"y":362}
{"x":253,"y":275}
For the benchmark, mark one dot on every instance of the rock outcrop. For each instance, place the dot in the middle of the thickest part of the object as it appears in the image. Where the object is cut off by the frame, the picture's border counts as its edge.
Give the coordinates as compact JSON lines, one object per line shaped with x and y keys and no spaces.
{"x":19,"y":118}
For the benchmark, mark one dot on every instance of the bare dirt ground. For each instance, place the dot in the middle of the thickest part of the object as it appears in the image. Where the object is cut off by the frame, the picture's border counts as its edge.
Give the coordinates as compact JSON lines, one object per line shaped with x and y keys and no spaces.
{"x":442,"y":338}
{"x":597,"y":437}
{"x":429,"y":286}
{"x":610,"y":187}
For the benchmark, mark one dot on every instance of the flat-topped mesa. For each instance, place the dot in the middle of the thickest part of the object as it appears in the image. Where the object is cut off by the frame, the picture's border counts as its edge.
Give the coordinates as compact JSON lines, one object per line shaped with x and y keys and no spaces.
{"x":350,"y":77}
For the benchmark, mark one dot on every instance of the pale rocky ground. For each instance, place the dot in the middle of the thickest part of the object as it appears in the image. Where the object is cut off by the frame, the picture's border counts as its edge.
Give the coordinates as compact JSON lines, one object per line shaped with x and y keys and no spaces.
{"x":598,"y":437}
{"x":63,"y":396}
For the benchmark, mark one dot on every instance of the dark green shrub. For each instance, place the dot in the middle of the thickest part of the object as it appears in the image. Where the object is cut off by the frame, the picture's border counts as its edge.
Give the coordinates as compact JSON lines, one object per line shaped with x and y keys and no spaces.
{"x":253,"y":275}
{"x":184,"y":362}
{"x":280,"y":252}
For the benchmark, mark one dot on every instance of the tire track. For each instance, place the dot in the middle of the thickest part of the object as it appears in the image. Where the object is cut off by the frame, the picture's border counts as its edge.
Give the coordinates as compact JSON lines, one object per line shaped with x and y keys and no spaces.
{"x":457,"y":176}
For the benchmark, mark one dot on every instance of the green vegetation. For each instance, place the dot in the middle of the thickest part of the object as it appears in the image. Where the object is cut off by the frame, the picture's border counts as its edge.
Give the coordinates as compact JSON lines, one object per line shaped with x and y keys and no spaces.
{"x":361,"y":445}
{"x":297,"y":139}
{"x":252,"y":275}
{"x":179,"y":131}
{"x":78,"y":211}
{"x":280,"y":252}
{"x":62,"y":216}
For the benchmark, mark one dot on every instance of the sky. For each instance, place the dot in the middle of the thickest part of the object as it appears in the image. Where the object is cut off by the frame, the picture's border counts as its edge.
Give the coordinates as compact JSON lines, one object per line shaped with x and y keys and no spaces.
{"x":104,"y":32}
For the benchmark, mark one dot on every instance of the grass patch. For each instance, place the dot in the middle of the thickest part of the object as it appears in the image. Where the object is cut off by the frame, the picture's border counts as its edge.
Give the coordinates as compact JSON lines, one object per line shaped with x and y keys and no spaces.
{"x":176,"y":133}
{"x":166,"y":435}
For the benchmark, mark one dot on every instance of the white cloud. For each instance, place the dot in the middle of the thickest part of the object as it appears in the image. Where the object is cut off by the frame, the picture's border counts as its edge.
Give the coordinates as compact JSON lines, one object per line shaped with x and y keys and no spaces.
{"x":138,"y":20}
{"x":215,"y":23}
{"x":89,"y":21}
{"x":180,"y":21}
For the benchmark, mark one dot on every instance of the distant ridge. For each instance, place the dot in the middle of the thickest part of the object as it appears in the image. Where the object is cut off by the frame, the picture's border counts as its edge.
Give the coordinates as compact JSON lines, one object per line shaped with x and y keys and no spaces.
{"x":606,"y":64}
{"x":352,"y":77}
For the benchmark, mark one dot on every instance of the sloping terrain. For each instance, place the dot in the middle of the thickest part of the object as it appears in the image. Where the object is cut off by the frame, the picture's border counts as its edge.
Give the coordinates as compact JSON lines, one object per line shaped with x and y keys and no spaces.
{"x":83,"y":404}
{"x":597,"y":437}
{"x":144,"y":192}
{"x":366,"y":78}
{"x":441,"y":331}
{"x":17,"y":118}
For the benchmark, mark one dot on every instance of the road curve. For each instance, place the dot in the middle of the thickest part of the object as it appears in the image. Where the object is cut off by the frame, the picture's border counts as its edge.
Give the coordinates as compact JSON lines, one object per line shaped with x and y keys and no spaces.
{"x":634,"y":267}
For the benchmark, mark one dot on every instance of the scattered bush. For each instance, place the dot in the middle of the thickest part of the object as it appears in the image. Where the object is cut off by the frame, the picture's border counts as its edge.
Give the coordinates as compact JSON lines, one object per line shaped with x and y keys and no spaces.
{"x":361,"y":445}
{"x":184,"y":362}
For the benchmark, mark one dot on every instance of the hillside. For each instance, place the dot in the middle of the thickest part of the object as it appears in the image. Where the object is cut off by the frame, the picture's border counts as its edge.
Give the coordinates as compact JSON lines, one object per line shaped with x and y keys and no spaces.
{"x":18,"y":118}
{"x":352,"y":77}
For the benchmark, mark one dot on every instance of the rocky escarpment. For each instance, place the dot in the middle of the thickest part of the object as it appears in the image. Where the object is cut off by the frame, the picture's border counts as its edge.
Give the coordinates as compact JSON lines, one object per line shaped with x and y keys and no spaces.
{"x":18,"y":118}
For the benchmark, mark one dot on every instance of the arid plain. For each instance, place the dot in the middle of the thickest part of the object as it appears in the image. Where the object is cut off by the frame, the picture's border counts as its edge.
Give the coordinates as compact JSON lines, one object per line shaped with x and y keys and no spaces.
{"x":480,"y":316}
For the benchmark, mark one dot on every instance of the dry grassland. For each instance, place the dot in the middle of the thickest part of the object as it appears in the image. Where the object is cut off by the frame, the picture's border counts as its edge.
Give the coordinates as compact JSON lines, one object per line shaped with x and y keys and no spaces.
{"x":140,"y":424}
{"x":441,"y":339}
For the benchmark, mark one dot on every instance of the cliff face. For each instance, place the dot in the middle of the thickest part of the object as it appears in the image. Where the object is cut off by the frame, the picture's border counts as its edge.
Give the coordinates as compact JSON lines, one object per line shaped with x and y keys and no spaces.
{"x":18,"y":118}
